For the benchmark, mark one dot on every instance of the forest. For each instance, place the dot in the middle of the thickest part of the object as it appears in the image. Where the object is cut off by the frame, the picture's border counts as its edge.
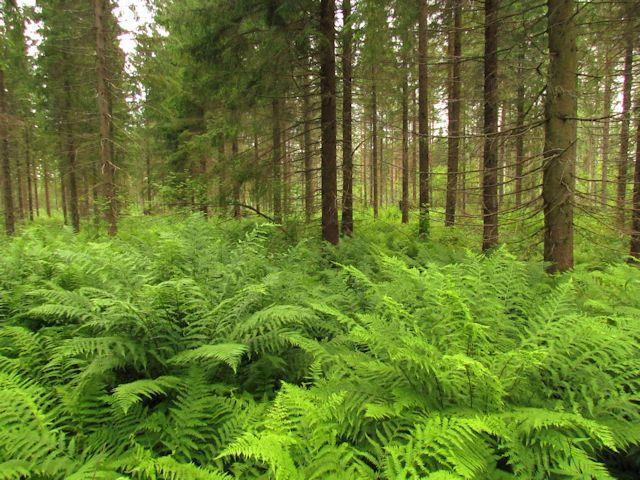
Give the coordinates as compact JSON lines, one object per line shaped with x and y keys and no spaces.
{"x":320,"y":239}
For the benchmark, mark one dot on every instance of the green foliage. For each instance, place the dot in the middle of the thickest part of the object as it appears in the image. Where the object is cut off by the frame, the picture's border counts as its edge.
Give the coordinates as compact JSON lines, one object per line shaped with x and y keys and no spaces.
{"x":189,"y":350}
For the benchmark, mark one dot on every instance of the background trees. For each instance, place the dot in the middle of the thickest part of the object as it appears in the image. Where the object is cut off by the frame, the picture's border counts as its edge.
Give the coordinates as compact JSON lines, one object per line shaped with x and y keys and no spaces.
{"x":221,"y":111}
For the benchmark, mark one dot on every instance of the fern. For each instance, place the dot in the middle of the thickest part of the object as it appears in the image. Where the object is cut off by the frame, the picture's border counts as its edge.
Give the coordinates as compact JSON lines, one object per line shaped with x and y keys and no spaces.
{"x":229,"y":353}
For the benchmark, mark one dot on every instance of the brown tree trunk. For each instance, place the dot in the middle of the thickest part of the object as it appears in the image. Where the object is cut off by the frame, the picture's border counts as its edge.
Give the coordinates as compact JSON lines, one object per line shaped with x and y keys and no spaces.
{"x":9,"y":214}
{"x":34,"y":176}
{"x":374,"y":145}
{"x":382,"y":177}
{"x":105,"y":112}
{"x":365,"y":159}
{"x":490,"y":127}
{"x":519,"y":131}
{"x":47,"y":186}
{"x":27,"y":157}
{"x":455,"y":48}
{"x":237,"y":211}
{"x":414,"y":148}
{"x":70,"y":153}
{"x":405,"y":142}
{"x":147,"y":159}
{"x":347,"y":147}
{"x":329,"y":189}
{"x":308,"y":158}
{"x":19,"y":192}
{"x":63,"y":195}
{"x":277,"y":158}
{"x":623,"y":161}
{"x":635,"y":207}
{"x":502,"y":165}
{"x":606,"y":113}
{"x":286,"y":172}
{"x":423,"y":123}
{"x":560,"y":136}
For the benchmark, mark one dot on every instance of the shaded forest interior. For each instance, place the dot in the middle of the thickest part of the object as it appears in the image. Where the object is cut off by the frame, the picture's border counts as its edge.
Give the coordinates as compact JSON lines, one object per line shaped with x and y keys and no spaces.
{"x":299,"y":239}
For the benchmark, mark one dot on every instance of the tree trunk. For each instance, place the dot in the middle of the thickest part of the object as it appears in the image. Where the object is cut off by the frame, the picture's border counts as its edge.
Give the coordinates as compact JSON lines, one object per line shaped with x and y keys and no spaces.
{"x":490,"y":127}
{"x":27,"y":157}
{"x":9,"y":214}
{"x":374,"y":145}
{"x":63,"y":195}
{"x":519,"y":131}
{"x":414,"y":148}
{"x":329,"y":189}
{"x":147,"y":159}
{"x":308,"y":158}
{"x":454,"y":113}
{"x":70,"y":153}
{"x":635,"y":207}
{"x":105,"y":112}
{"x":34,"y":176}
{"x":19,"y":192}
{"x":560,"y":136}
{"x":405,"y":142}
{"x":237,"y":211}
{"x":623,"y":161}
{"x":347,"y":147}
{"x":365,"y":159}
{"x":277,"y":159}
{"x":423,"y":124}
{"x":502,"y":165}
{"x":606,"y":113}
{"x":47,"y":186}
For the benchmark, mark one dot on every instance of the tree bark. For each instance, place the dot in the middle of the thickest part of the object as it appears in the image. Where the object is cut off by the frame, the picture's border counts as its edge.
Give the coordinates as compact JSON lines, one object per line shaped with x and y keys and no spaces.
{"x":47,"y":186}
{"x":490,"y":128}
{"x":27,"y":157}
{"x":405,"y":142}
{"x":308,"y":158}
{"x":623,"y":161}
{"x":347,"y":147}
{"x":423,"y":124}
{"x":34,"y":176}
{"x":237,"y":211}
{"x":70,"y":153}
{"x":105,"y":114}
{"x":455,"y":47}
{"x":502,"y":153}
{"x":519,"y":131}
{"x":365,"y":159}
{"x":635,"y":207}
{"x":560,"y":136}
{"x":374,"y":145}
{"x":20,"y":191}
{"x":330,"y":231}
{"x":276,"y":138}
{"x":606,"y":112}
{"x":9,"y":214}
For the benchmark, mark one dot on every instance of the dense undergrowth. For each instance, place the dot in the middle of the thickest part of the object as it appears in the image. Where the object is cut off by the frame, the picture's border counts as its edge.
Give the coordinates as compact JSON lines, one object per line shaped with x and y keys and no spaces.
{"x":203,"y":350}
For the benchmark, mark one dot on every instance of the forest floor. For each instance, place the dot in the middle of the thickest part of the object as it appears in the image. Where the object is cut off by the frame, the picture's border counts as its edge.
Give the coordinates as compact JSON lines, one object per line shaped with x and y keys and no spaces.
{"x":193,"y":349}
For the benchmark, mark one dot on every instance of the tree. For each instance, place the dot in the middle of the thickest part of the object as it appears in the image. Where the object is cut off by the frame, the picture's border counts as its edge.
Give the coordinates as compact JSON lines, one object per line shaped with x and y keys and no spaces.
{"x":423,"y":122}
{"x":560,"y":136}
{"x":327,"y":62}
{"x":9,"y":216}
{"x":347,"y":148}
{"x":102,"y":11}
{"x":635,"y":205}
{"x":454,"y":106}
{"x":627,"y":76}
{"x":606,"y":113}
{"x":490,"y":127}
{"x":405,"y":140}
